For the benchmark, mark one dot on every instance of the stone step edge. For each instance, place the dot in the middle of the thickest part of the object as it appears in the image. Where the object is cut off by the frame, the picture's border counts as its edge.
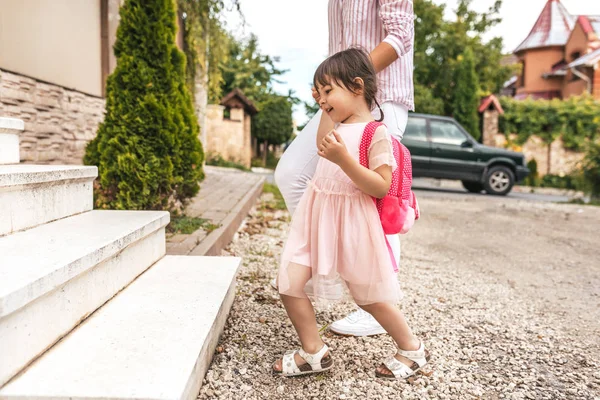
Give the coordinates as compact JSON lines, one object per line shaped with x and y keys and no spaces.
{"x":10,"y":302}
{"x":19,"y":387}
{"x":25,"y":174}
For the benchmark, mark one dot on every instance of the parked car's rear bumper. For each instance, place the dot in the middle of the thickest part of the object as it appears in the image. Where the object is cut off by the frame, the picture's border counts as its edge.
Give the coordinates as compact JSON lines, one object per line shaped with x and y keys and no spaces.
{"x":522,"y":173}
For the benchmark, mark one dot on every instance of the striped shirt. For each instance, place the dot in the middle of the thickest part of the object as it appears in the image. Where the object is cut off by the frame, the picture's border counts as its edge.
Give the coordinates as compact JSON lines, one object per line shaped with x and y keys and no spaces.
{"x":367,"y":23}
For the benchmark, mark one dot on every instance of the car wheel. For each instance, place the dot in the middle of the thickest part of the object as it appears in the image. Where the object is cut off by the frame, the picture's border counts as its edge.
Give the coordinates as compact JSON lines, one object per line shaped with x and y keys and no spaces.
{"x":499,"y":180}
{"x":473,"y":187}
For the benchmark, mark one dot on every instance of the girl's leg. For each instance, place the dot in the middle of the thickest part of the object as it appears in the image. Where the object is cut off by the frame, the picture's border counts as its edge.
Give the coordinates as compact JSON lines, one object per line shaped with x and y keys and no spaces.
{"x":301,"y":312}
{"x":395,"y":117}
{"x":393,"y":321}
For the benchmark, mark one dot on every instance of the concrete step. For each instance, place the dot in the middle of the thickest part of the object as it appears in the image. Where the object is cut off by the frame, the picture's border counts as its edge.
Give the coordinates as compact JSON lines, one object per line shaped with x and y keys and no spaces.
{"x":154,"y":340}
{"x":55,"y":275}
{"x":10,"y":129}
{"x":32,"y":195}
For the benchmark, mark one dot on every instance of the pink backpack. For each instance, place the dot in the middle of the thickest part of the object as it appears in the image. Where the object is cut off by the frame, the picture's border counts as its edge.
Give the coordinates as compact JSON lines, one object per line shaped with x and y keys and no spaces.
{"x":398,"y":210}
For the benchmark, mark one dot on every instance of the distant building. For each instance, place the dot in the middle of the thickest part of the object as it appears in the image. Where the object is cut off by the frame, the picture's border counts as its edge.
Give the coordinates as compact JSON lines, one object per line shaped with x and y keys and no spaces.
{"x":560,"y":57}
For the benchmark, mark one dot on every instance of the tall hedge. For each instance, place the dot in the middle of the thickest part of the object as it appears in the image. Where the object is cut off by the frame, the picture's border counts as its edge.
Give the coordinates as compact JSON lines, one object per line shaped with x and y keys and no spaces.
{"x":147,"y":149}
{"x":465,"y":97}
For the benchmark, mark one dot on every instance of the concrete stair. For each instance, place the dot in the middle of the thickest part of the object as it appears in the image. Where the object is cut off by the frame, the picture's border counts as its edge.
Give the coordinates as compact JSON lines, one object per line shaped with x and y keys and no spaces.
{"x":89,"y":305}
{"x":32,"y":195}
{"x":152,"y":341}
{"x":55,"y":275}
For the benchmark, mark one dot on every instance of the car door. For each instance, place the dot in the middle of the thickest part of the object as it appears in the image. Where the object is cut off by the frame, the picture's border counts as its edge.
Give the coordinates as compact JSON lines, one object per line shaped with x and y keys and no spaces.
{"x":416,"y":140}
{"x":454,"y":154}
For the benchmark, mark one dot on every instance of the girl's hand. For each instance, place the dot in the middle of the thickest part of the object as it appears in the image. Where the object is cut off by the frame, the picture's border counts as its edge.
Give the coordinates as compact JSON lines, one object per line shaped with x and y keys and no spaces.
{"x":333,"y":148}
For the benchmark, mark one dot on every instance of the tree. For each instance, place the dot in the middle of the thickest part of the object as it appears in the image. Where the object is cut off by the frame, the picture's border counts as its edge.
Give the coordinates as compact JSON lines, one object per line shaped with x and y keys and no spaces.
{"x":147,"y":150}
{"x":249,"y":70}
{"x":439,"y":43}
{"x":465,"y":97}
{"x":273,"y":124}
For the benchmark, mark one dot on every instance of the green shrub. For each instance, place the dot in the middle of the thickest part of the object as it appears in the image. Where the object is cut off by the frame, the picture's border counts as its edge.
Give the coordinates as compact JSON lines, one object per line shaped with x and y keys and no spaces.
{"x":217,"y":160}
{"x":591,"y":170}
{"x":533,"y":179}
{"x":147,"y":149}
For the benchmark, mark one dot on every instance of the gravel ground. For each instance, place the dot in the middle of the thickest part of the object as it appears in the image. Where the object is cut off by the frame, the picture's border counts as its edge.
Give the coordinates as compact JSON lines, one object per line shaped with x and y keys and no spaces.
{"x":506,"y":296}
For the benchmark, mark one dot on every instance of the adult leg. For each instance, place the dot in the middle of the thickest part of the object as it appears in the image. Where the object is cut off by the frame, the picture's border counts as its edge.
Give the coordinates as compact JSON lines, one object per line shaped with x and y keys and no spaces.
{"x":298,"y":164}
{"x":360,"y":323}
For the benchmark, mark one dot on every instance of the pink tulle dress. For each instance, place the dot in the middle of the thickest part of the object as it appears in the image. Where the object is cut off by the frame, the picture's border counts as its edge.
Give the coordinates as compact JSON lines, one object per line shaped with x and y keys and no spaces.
{"x":336,"y":236}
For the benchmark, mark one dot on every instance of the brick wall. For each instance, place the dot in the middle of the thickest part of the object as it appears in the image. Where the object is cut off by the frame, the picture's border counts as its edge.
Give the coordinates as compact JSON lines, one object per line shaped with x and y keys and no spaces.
{"x":58,"y":122}
{"x":228,"y":137}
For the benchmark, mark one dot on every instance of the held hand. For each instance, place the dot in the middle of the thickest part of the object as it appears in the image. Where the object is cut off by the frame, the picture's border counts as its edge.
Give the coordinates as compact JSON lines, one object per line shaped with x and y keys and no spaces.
{"x":333,"y":148}
{"x":316,"y":95}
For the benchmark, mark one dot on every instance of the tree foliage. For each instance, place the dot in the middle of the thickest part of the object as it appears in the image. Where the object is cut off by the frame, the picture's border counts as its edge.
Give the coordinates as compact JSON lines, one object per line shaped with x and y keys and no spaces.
{"x":147,"y":151}
{"x":576,"y":120}
{"x":273,"y":124}
{"x":465,"y":99}
{"x":439,"y":45}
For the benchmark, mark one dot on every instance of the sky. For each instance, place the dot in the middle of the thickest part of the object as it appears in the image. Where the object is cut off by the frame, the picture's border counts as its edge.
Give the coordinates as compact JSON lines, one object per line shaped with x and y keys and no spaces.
{"x":296,"y":31}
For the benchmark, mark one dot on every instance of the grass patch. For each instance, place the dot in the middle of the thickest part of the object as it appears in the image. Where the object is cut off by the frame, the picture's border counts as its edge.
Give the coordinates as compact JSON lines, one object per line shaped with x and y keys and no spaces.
{"x":218,"y":161}
{"x":277,"y":203}
{"x":188,"y":225}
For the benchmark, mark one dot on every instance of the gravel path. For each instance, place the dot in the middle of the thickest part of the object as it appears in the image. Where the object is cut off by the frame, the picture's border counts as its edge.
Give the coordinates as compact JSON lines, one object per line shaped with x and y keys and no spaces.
{"x":506,"y":296}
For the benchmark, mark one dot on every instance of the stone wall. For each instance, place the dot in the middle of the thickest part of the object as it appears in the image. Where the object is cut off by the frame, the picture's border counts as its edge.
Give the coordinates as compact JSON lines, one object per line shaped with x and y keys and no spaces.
{"x":229,"y":138}
{"x":58,"y":122}
{"x":562,"y":160}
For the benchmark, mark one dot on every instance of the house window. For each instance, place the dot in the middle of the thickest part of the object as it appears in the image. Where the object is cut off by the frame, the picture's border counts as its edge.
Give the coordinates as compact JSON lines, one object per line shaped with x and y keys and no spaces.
{"x":227,"y":113}
{"x":575,"y":55}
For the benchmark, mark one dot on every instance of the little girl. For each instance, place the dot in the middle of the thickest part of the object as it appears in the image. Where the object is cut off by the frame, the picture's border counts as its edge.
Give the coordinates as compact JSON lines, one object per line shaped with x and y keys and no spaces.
{"x":336,"y":238}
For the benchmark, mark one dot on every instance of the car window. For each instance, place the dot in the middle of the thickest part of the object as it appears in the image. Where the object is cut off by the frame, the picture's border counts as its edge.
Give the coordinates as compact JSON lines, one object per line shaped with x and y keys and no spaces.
{"x":445,"y":132}
{"x":416,"y":129}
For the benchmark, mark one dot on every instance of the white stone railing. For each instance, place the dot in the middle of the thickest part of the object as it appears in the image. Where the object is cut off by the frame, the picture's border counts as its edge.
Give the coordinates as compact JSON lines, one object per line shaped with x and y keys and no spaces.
{"x":10,"y":128}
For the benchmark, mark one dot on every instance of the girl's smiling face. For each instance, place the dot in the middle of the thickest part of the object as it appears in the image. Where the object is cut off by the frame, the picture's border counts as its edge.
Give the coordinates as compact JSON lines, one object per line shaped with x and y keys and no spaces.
{"x":338,"y":102}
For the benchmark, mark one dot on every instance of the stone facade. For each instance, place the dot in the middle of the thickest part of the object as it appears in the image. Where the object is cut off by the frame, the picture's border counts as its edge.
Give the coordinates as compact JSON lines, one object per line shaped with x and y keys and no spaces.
{"x":490,"y":126}
{"x":562,"y":160}
{"x":59,"y":122}
{"x":228,"y":137}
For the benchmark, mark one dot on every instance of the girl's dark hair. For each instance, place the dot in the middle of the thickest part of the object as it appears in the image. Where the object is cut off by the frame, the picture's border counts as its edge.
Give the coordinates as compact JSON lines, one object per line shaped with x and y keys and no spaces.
{"x":344,"y":67}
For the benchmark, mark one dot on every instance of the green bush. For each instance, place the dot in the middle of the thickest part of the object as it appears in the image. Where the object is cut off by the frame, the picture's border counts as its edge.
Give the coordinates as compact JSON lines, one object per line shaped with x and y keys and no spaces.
{"x":217,"y":160}
{"x":576,"y":120}
{"x":147,"y":149}
{"x":591,"y":170}
{"x":533,"y":179}
{"x":571,"y":182}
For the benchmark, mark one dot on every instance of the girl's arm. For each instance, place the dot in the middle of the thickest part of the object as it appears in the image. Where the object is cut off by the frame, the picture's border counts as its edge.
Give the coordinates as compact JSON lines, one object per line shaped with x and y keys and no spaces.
{"x":325,"y":126}
{"x":374,"y":183}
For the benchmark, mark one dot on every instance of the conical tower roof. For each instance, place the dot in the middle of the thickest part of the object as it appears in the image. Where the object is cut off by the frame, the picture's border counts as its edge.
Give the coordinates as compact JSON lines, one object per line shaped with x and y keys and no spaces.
{"x":552,"y":28}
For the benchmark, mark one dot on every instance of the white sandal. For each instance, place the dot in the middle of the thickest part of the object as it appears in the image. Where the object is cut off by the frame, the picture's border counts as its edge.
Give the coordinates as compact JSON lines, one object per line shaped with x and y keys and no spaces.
{"x":315,"y":363}
{"x":400,"y":370}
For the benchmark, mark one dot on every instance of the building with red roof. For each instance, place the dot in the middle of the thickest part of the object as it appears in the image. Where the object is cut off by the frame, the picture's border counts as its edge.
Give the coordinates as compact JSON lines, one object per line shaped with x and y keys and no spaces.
{"x":560,"y":57}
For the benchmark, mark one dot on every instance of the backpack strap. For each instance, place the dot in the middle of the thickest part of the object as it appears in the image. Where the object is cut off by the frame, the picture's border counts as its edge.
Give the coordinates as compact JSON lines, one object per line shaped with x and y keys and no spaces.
{"x":365,"y":142}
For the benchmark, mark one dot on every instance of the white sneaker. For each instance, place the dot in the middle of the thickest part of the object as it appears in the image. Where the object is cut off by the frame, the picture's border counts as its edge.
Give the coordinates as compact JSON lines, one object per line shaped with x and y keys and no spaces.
{"x":358,"y":323}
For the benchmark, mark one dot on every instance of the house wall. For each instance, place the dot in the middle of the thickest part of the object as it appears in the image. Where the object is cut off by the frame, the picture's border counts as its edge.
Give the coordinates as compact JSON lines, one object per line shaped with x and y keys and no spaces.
{"x":596,"y":83}
{"x":562,"y":160}
{"x":537,"y":62}
{"x":229,"y":138}
{"x":59,"y":122}
{"x":54,"y":41}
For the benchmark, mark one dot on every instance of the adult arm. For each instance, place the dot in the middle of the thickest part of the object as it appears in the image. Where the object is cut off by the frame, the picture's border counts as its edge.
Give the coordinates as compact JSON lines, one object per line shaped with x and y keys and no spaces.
{"x":398,"y":18}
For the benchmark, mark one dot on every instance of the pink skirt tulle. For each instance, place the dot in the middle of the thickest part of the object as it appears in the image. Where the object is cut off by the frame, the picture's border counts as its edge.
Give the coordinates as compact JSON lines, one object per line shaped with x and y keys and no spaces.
{"x":336,"y":239}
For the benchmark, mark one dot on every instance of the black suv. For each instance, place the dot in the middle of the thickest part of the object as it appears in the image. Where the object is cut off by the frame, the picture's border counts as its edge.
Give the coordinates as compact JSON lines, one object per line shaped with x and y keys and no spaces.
{"x":441,"y":148}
